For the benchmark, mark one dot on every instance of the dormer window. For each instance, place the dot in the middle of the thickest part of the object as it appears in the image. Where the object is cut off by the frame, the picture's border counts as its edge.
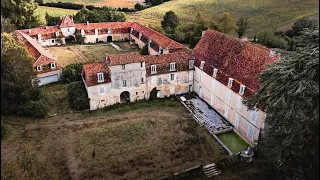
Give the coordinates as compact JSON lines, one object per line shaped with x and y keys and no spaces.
{"x":172,"y":66}
{"x":202,"y":64}
{"x":39,"y":36}
{"x":215,"y":72}
{"x":230,"y":82}
{"x":153,"y":69}
{"x":39,"y":68}
{"x":82,"y":32}
{"x":100,"y":77}
{"x":191,"y":64}
{"x":242,"y":88}
{"x":52,"y":65}
{"x":57,"y":34}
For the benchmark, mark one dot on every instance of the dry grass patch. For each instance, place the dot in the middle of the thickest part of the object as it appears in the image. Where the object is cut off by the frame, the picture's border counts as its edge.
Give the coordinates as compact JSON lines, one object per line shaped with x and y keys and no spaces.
{"x":146,"y":140}
{"x":110,"y":3}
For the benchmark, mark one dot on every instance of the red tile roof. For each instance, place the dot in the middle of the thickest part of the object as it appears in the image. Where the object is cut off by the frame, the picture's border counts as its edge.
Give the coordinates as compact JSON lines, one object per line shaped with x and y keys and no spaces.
{"x":234,"y":58}
{"x":156,"y":37}
{"x":162,"y":61}
{"x":103,"y":25}
{"x":45,"y":30}
{"x":126,"y":58}
{"x":67,"y":22}
{"x":90,"y":73}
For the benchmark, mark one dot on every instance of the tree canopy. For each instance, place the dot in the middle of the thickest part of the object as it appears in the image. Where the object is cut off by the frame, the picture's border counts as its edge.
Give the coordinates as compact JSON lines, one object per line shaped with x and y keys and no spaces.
{"x":226,"y":24}
{"x":104,"y":14}
{"x":20,"y":13}
{"x":290,"y":92}
{"x":170,"y":21}
{"x":243,"y":25}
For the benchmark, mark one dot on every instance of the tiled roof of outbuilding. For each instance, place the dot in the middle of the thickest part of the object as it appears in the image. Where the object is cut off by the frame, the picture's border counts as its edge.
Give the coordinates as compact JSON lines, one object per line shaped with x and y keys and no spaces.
{"x":125,"y":58}
{"x":91,"y":70}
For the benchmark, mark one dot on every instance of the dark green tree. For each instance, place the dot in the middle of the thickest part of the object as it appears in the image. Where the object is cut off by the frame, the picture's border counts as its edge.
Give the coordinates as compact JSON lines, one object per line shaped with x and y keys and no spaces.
{"x":138,"y":7}
{"x":52,"y":20}
{"x":302,"y":24}
{"x":78,"y":97}
{"x":170,"y":21}
{"x":20,"y":13}
{"x":144,"y":50}
{"x":289,"y":91}
{"x":226,"y":24}
{"x":71,"y":73}
{"x":243,"y":24}
{"x":82,"y":15}
{"x":6,"y":25}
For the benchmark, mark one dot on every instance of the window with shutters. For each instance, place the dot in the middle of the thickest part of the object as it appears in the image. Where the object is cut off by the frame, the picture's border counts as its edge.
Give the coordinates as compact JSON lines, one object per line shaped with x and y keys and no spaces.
{"x":123,"y":67}
{"x":250,"y":131}
{"x":100,"y":77}
{"x":172,"y":66}
{"x":153,"y":69}
{"x":236,"y":120}
{"x":142,"y":80}
{"x":172,"y":77}
{"x":226,"y":111}
{"x":254,"y":116}
{"x":228,"y":96}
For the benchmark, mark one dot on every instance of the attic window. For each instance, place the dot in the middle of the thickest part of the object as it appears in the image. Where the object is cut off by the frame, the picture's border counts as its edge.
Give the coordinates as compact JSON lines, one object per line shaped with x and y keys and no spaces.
{"x":191,"y":64}
{"x":52,"y":65}
{"x":230,"y":82}
{"x":215,"y":72}
{"x":242,"y":88}
{"x":39,"y":68}
{"x":172,"y":66}
{"x":100,"y":77}
{"x":153,"y":69}
{"x":202,"y":64}
{"x":57,"y":34}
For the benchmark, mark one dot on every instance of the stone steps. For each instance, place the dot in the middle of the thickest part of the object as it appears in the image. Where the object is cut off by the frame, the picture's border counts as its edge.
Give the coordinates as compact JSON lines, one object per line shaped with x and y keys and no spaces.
{"x":211,"y":170}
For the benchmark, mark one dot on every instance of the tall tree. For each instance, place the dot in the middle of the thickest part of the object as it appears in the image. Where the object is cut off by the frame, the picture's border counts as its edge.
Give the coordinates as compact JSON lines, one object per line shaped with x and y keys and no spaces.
{"x":226,"y":24}
{"x":52,"y":20}
{"x":6,"y":25}
{"x":170,"y":21}
{"x":20,"y":13}
{"x":243,"y":24}
{"x":290,"y":92}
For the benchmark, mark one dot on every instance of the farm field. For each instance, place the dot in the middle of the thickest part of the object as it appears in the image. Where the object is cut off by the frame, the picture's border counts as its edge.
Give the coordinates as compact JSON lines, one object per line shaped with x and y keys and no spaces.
{"x":263,"y":14}
{"x":110,"y":3}
{"x":87,"y":53}
{"x":42,"y":10}
{"x":144,"y":140}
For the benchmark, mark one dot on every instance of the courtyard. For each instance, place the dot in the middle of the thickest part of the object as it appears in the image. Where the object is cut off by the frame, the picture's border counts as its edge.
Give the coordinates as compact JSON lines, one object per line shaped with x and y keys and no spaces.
{"x":144,"y":140}
{"x":89,"y":53}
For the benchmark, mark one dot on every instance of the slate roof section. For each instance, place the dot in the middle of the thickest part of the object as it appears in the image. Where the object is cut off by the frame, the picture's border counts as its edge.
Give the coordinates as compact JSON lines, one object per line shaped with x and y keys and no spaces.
{"x":67,"y":22}
{"x":241,"y":60}
{"x":90,"y":73}
{"x":125,"y":58}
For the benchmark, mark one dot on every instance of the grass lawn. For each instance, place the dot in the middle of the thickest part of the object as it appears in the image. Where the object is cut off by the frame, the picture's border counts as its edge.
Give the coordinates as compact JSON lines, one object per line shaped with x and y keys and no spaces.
{"x":145,"y":140}
{"x":110,"y":3}
{"x":263,"y":14}
{"x":87,"y":53}
{"x":42,"y":10}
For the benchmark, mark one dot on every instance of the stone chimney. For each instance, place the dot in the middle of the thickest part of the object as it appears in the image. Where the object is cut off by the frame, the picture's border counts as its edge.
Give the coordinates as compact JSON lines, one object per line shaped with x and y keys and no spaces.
{"x":88,"y":23}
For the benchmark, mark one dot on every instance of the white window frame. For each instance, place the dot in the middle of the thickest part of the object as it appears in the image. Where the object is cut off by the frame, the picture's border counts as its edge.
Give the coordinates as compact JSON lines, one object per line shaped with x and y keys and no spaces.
{"x":202,"y":64}
{"x":215,"y":72}
{"x":242,"y":88}
{"x":230,"y":82}
{"x":213,"y":85}
{"x":239,"y":103}
{"x":226,"y":111}
{"x":250,"y":133}
{"x":191,"y":64}
{"x":52,"y":65}
{"x":123,"y":67}
{"x":172,"y":66}
{"x":228,"y":96}
{"x":39,"y":68}
{"x":172,"y":77}
{"x":100,"y":77}
{"x":153,"y":69}
{"x":124,"y":82}
{"x":236,"y":120}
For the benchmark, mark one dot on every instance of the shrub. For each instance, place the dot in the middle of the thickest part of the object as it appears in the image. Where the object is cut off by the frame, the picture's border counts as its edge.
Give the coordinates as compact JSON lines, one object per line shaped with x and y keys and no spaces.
{"x":78,"y":97}
{"x":80,"y":39}
{"x":32,"y":108}
{"x":269,"y":39}
{"x":144,"y":51}
{"x":72,"y":73}
{"x":138,"y":7}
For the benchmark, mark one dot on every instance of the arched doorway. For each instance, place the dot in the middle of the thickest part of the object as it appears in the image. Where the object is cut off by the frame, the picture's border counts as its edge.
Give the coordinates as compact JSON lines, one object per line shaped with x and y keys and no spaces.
{"x":125,"y":97}
{"x":109,"y":39}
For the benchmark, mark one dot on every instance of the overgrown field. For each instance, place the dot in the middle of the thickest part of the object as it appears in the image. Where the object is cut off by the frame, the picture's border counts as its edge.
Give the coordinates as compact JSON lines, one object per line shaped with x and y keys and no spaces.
{"x":263,"y":13}
{"x":87,"y":53}
{"x":42,"y":10}
{"x":145,"y":140}
{"x":110,"y":3}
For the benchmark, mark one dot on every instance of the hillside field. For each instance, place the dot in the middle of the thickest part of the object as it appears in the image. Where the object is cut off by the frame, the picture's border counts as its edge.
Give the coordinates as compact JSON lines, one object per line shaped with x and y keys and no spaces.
{"x":110,"y":3}
{"x":42,"y":10}
{"x":262,"y":13}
